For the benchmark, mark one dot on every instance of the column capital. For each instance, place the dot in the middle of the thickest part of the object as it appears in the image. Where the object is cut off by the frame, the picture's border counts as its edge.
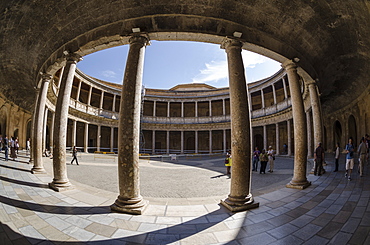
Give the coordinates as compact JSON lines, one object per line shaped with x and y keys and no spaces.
{"x":230,"y":42}
{"x":73,"y":57}
{"x":46,"y":77}
{"x":310,"y":82}
{"x":142,"y":39}
{"x":289,"y":64}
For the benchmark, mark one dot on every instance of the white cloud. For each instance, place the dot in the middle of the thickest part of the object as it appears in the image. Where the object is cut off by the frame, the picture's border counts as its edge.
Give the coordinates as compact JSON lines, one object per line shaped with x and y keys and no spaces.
{"x":217,"y":70}
{"x":109,"y":74}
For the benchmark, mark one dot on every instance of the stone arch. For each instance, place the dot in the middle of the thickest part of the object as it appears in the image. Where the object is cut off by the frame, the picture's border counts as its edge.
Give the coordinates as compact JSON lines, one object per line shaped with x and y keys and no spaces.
{"x":352,"y":129}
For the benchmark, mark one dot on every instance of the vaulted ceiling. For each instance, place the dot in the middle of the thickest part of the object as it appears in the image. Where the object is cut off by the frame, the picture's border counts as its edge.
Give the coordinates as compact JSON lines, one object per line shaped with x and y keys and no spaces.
{"x":331,"y":38}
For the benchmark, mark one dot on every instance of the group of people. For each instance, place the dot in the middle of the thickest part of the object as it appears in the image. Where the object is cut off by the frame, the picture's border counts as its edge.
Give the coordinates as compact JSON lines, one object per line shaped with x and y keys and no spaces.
{"x":12,"y":143}
{"x":363,"y":155}
{"x":264,"y":157}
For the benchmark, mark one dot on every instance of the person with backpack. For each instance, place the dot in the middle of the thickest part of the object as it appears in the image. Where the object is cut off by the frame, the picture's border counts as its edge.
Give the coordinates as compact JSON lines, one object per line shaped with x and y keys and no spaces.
{"x":350,"y":161}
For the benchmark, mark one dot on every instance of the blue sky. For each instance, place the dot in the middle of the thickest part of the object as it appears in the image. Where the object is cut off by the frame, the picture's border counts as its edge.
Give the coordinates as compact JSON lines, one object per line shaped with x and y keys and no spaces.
{"x":168,"y":64}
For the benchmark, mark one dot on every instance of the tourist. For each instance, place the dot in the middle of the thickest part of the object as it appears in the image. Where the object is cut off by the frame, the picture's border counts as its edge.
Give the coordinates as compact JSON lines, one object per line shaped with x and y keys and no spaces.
{"x":12,"y":148}
{"x":362,"y":151}
{"x":228,"y":162}
{"x":74,"y":155}
{"x":337,"y":154}
{"x":16,"y":144}
{"x":350,"y":162}
{"x":28,"y":146}
{"x":6,"y":147}
{"x":319,"y":157}
{"x":285,"y":148}
{"x":256,"y":158}
{"x":271,"y":154}
{"x":263,"y":159}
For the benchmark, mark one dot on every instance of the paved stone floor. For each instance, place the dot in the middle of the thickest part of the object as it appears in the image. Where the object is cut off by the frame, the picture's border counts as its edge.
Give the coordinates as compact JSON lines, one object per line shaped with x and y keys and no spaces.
{"x":332,"y":210}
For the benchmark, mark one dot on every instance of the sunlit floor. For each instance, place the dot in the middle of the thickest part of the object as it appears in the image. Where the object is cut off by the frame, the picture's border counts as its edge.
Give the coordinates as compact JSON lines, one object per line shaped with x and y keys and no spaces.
{"x":332,"y":210}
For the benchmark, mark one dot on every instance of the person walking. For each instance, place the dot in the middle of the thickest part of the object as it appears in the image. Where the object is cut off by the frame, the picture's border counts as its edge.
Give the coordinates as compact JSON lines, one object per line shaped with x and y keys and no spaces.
{"x":350,"y":161}
{"x":337,"y":154}
{"x":6,"y":148}
{"x":1,"y":143}
{"x":362,"y":151}
{"x":74,"y":155}
{"x":271,"y":154}
{"x":12,"y":148}
{"x":256,"y":158}
{"x":16,"y":144}
{"x":28,"y":146}
{"x":319,"y":157}
{"x":263,"y":159}
{"x":228,"y":162}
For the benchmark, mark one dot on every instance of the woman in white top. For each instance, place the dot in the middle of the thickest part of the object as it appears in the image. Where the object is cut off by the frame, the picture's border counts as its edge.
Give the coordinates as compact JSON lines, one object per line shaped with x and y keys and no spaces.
{"x":337,"y":154}
{"x":271,"y":155}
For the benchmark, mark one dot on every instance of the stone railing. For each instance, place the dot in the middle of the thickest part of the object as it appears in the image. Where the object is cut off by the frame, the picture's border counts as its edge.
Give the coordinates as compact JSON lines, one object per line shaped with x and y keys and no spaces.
{"x":272,"y":109}
{"x":185,"y":120}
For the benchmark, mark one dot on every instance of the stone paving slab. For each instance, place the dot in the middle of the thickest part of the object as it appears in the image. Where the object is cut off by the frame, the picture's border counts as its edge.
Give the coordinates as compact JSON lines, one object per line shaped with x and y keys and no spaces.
{"x":333,"y":210}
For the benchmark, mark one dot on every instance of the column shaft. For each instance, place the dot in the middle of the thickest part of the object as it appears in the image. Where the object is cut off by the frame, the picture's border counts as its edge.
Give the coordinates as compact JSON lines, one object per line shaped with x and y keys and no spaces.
{"x":51,"y":132}
{"x":277,"y":139}
{"x":289,"y":132}
{"x":153,"y":141}
{"x":78,"y":91}
{"x":224,"y":140}
{"x":114,"y":103}
{"x":240,"y":197}
{"x":60,"y":181}
{"x":36,"y":148}
{"x":111,"y":139}
{"x":86,"y":138}
{"x":101,"y":99}
{"x":316,"y":113}
{"x":154,"y":108}
{"x":74,"y":132}
{"x":285,"y":89}
{"x":299,"y":179}
{"x":309,"y":134}
{"x":196,"y":141}
{"x":129,"y":199}
{"x":168,"y":142}
{"x":210,"y":142}
{"x":265,"y":137}
{"x":263,"y":99}
{"x":182,"y":142}
{"x":98,"y":137}
{"x":44,"y":139}
{"x":274,"y":93}
{"x":182,"y":109}
{"x":89,"y":96}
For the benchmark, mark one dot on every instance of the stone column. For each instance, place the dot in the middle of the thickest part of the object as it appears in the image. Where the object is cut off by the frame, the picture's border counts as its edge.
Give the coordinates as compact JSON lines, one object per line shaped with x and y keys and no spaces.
{"x":274,"y":93}
{"x":168,"y":142}
{"x":210,"y":142}
{"x":89,"y":96}
{"x":240,"y":197}
{"x":101,"y":100}
{"x":114,"y":103}
{"x":111,"y":139}
{"x":285,"y":89}
{"x":168,"y":109}
{"x":182,"y":142}
{"x":196,"y":108}
{"x":51,"y":132}
{"x":182,"y":109}
{"x":223,"y":107}
{"x":277,"y":139}
{"x":309,"y":135}
{"x":316,"y":113}
{"x":74,"y":132}
{"x":36,"y":141}
{"x":289,"y":132}
{"x":86,"y":138}
{"x":129,"y":199}
{"x":44,"y":146}
{"x":78,"y":91}
{"x":265,"y":137}
{"x":210,"y":108}
{"x":262,"y":99}
{"x":299,"y":179}
{"x":98,"y":137}
{"x":60,"y":181}
{"x":154,"y":108}
{"x":196,"y":141}
{"x":153,"y":140}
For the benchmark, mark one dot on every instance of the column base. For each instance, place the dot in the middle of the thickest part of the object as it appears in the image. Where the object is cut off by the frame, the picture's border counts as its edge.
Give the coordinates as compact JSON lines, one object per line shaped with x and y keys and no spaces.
{"x":59,"y":187}
{"x":38,"y":170}
{"x":130,"y":206}
{"x":239,"y":206}
{"x":299,"y":186}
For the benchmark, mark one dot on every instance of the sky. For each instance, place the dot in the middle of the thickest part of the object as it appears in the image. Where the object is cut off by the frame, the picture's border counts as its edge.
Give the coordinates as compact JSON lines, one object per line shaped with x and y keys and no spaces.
{"x":169,"y":63}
